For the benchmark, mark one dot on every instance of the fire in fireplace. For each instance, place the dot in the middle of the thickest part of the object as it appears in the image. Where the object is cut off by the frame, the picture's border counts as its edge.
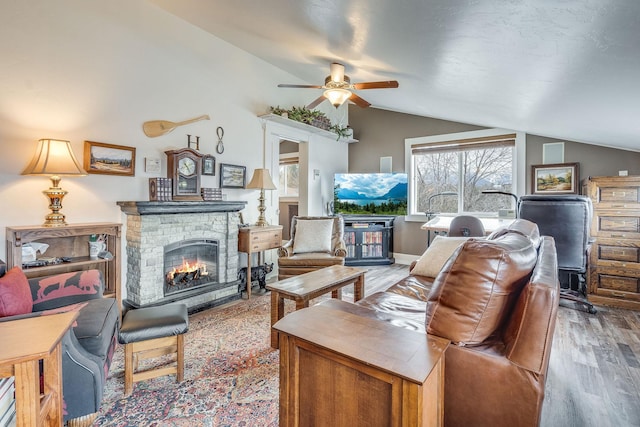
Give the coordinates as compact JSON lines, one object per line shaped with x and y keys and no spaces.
{"x":189,"y":264}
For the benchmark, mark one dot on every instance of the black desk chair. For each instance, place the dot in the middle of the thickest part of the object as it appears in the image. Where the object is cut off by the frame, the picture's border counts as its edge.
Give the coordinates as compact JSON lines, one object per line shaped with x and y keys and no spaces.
{"x":566,"y":218}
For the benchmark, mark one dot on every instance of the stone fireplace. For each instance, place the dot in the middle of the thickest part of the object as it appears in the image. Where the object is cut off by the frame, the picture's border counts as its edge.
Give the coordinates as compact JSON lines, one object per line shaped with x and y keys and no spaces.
{"x":181,"y":251}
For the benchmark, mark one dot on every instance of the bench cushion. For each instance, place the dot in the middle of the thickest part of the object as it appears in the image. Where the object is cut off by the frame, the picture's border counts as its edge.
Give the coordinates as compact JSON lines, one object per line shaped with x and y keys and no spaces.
{"x":154,"y":322}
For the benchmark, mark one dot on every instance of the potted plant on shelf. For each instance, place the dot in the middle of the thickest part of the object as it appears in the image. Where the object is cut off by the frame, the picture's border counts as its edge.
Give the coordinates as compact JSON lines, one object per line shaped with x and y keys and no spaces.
{"x":312,"y":117}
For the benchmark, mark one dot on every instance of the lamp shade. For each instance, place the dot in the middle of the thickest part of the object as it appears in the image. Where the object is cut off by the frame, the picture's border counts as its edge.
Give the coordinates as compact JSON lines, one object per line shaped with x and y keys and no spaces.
{"x":54,"y":157}
{"x":337,"y":97}
{"x":261,"y":179}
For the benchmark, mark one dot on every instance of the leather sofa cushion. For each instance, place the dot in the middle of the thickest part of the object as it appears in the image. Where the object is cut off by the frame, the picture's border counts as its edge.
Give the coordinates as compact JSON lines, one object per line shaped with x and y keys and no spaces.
{"x":372,"y":312}
{"x":477,"y":287}
{"x":522,"y":226}
{"x":417,"y":287}
{"x":95,"y":325}
{"x":406,"y":307}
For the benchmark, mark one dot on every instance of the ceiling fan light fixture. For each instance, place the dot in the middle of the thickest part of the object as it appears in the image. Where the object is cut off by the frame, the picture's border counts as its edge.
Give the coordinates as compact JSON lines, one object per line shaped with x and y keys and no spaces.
{"x":337,"y":97}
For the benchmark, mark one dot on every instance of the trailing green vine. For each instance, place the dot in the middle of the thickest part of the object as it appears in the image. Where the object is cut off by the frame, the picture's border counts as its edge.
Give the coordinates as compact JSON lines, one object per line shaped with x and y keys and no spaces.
{"x":312,"y":117}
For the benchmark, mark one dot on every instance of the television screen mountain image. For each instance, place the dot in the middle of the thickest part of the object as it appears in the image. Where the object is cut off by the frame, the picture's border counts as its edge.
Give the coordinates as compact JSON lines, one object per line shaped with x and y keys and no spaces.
{"x":370,"y":193}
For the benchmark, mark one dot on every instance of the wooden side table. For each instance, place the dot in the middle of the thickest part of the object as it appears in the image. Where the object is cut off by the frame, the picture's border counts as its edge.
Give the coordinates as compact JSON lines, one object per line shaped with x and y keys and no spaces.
{"x":307,"y":286}
{"x":376,"y":373}
{"x":257,"y":239}
{"x":24,"y":343}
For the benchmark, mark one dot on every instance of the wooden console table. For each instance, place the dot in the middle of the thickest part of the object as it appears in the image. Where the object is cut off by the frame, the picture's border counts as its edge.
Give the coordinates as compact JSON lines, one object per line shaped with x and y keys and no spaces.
{"x":377,"y":374}
{"x":24,"y":343}
{"x":257,"y":239}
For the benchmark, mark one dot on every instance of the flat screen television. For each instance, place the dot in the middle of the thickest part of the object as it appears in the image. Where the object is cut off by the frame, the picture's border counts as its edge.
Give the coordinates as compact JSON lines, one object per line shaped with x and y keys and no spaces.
{"x":370,"y":193}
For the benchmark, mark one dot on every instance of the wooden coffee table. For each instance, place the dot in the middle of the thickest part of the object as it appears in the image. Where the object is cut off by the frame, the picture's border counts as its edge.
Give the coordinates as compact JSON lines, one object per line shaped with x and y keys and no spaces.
{"x":311,"y":285}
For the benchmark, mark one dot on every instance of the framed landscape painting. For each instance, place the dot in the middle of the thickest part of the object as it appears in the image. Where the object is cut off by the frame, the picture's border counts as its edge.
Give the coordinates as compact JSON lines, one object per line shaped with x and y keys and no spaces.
{"x":109,"y":159}
{"x":558,"y":178}
{"x":232,"y":176}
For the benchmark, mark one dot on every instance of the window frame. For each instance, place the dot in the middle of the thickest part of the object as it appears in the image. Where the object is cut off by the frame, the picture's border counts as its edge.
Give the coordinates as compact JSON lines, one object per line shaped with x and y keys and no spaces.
{"x":288,"y":159}
{"x":518,"y":172}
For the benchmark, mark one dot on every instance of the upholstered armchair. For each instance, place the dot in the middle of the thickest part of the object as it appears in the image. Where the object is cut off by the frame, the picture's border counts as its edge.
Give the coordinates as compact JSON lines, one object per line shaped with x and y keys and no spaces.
{"x":87,"y":348}
{"x":316,"y":242}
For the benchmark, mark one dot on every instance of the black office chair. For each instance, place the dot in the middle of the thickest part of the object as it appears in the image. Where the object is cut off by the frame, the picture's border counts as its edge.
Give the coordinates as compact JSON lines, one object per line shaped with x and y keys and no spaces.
{"x":466,"y":226}
{"x":566,"y":218}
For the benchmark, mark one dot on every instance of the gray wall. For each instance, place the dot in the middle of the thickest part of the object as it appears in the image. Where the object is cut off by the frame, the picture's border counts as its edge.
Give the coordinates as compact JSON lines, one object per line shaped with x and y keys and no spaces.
{"x":382,"y":133}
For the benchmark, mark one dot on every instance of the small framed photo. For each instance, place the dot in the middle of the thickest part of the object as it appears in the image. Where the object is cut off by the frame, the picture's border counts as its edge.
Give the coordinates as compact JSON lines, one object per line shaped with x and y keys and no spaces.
{"x":232,"y":176}
{"x":557,"y":178}
{"x":109,"y":159}
{"x":208,"y":165}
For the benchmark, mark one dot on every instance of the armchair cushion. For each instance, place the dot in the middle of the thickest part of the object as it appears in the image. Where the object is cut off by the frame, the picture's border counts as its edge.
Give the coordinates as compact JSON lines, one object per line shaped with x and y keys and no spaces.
{"x":15,"y":294}
{"x":313,"y":236}
{"x":96,"y":324}
{"x":438,"y":252}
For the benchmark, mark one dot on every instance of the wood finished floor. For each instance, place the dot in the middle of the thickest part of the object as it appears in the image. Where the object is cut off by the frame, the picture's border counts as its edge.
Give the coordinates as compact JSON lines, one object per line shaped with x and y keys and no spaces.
{"x":594,"y":371}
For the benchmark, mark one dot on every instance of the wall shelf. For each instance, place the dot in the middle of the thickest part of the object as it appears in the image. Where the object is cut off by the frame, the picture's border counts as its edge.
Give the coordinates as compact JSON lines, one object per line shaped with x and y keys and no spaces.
{"x":305,"y":127}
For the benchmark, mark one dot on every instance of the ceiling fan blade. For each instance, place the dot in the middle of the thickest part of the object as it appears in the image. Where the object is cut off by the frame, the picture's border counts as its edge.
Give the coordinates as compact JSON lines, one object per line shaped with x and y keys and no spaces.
{"x":358,"y":101}
{"x":302,"y":86}
{"x":376,"y":85}
{"x":315,"y":103}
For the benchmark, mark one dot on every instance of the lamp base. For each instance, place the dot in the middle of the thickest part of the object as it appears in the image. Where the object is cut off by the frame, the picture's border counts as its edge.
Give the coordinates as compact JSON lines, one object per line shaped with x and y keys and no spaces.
{"x":55,"y":218}
{"x":262,"y":221}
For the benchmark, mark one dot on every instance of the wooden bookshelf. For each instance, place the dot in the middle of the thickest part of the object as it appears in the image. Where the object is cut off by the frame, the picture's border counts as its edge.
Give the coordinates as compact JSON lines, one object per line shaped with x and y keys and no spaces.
{"x":71,"y":241}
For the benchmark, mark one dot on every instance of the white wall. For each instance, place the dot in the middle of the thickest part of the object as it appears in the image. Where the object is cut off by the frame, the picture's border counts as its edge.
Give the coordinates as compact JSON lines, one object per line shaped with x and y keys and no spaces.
{"x":96,"y":70}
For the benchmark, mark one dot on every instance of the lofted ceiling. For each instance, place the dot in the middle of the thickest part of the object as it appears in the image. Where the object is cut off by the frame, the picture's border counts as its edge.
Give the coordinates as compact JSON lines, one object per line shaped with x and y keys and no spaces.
{"x":566,"y":69}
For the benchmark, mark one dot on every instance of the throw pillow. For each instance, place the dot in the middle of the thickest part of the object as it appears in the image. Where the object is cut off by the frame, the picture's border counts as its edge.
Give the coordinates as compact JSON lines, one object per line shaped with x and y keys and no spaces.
{"x":15,"y":293}
{"x":312,"y":235}
{"x":475,"y":292}
{"x":438,"y":252}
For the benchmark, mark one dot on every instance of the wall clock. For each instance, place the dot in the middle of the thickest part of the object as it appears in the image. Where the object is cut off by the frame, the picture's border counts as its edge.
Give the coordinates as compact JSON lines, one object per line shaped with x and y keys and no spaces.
{"x":184,"y":167}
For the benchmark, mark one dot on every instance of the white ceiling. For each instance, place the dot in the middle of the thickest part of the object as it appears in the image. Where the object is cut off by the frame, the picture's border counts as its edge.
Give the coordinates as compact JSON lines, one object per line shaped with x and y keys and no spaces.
{"x":567,"y":69}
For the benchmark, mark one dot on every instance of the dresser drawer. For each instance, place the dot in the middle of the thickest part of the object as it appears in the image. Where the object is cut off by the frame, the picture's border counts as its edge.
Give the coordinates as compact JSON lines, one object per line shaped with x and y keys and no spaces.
{"x":264,"y":241}
{"x":616,"y":225}
{"x":618,"y":253}
{"x":256,"y":239}
{"x":619,"y":197}
{"x":607,"y":284}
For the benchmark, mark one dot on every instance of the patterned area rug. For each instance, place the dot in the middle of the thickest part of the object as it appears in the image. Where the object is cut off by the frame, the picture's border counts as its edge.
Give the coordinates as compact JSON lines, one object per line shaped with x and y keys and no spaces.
{"x":231,"y":376}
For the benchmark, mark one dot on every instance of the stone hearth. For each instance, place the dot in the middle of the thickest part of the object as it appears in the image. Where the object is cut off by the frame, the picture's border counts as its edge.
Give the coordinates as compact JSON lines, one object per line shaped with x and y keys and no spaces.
{"x":151,"y":226}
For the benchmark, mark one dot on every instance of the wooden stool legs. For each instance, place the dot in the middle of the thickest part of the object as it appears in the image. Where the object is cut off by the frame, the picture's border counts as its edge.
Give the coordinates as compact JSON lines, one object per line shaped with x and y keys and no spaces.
{"x":136,"y":351}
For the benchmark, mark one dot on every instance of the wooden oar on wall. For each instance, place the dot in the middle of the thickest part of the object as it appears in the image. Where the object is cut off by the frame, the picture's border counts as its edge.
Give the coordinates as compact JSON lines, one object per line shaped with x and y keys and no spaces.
{"x":160,"y":127}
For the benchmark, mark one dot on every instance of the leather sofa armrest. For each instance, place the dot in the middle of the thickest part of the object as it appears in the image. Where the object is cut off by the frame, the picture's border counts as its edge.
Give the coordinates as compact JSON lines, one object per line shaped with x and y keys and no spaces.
{"x":286,"y":250}
{"x":3,"y":268}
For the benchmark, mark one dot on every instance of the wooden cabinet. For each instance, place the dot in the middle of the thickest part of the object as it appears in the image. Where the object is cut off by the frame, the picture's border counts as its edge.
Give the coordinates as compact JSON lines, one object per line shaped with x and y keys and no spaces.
{"x":369,"y":240}
{"x":71,"y":241}
{"x":341,"y":369}
{"x":614,"y":264}
{"x":257,"y":239}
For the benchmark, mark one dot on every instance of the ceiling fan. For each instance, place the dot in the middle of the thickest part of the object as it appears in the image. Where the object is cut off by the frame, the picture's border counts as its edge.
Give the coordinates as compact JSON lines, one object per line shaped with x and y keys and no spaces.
{"x":338,"y":88}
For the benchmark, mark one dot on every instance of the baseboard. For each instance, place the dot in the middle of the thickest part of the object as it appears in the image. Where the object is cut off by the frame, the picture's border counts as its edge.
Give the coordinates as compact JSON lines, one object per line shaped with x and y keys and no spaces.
{"x":405,"y":259}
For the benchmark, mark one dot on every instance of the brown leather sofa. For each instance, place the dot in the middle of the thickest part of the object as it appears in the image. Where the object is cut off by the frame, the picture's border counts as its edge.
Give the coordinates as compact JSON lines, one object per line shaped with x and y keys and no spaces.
{"x":496,"y":300}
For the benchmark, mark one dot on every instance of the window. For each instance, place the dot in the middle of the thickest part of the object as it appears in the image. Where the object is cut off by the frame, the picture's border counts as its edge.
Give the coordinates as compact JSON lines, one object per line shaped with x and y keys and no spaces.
{"x":289,"y":172}
{"x":449,"y":173}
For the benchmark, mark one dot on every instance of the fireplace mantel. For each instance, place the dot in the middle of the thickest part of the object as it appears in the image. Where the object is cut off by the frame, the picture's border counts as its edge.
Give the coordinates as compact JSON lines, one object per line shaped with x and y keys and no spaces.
{"x":163,"y":208}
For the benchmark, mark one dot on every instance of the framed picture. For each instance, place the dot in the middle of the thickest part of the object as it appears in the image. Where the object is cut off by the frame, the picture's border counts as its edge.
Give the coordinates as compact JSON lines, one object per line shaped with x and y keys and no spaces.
{"x":558,"y":178}
{"x":109,"y":159}
{"x":232,"y":176}
{"x":208,"y":165}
